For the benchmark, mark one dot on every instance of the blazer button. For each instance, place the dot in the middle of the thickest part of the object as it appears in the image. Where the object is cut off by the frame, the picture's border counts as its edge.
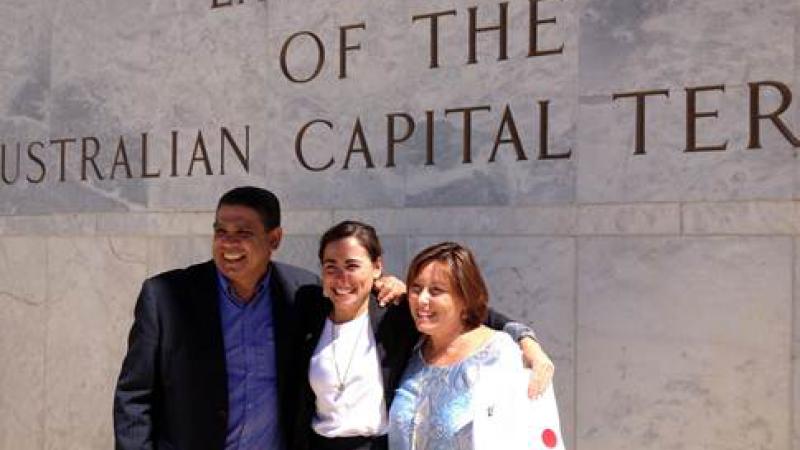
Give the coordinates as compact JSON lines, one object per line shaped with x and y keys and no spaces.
{"x":223,"y":415}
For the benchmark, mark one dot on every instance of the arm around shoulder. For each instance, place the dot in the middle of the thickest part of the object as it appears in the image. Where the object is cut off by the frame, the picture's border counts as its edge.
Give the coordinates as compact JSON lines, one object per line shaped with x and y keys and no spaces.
{"x":517,"y":330}
{"x":532,"y":352}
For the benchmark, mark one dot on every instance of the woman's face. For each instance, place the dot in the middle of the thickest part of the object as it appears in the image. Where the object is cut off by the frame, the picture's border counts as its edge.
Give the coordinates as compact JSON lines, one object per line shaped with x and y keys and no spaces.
{"x":348,"y":274}
{"x":435,"y":306}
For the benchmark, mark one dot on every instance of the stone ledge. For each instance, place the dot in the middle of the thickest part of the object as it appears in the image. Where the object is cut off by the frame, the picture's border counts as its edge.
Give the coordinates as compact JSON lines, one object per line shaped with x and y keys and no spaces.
{"x":741,"y":218}
{"x":746,"y":218}
{"x":627,"y":219}
{"x":557,"y":220}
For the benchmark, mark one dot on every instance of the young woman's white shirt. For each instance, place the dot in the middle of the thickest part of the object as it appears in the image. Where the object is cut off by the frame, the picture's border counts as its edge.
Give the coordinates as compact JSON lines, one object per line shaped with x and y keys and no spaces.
{"x":360,"y":409}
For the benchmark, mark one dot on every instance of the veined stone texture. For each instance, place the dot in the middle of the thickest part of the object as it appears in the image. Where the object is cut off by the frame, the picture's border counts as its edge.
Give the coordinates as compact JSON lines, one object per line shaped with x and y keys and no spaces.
{"x":795,"y":352}
{"x":23,"y":346}
{"x":92,"y":283}
{"x":669,"y":329}
{"x":662,"y":284}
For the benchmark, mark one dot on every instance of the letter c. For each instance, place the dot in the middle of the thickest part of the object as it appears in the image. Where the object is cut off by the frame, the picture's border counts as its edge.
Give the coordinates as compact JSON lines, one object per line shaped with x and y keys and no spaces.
{"x":298,"y":146}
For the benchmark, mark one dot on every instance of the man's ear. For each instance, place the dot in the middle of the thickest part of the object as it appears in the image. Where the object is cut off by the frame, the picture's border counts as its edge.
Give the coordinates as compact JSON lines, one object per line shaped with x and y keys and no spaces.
{"x":274,"y":237}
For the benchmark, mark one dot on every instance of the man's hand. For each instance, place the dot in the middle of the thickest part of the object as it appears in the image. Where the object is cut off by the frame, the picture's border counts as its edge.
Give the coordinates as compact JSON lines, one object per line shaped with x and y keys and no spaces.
{"x":389,"y":289}
{"x":541,"y":365}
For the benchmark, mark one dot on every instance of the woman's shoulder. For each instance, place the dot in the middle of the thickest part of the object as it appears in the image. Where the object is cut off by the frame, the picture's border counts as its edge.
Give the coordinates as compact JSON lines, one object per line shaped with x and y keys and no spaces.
{"x":500,"y":350}
{"x":502,"y":341}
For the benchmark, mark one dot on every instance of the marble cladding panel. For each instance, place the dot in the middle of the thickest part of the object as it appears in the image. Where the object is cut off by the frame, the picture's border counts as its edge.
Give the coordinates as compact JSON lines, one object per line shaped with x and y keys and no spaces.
{"x":609,"y":171}
{"x":394,"y":84}
{"x":193,"y":66}
{"x":395,"y":255}
{"x":154,"y":224}
{"x":795,"y":118}
{"x":300,"y":251}
{"x":627,"y":47}
{"x":674,"y":335}
{"x":653,"y":44}
{"x":177,"y":152}
{"x":534,"y":220}
{"x":17,"y":195}
{"x":176,"y":252}
{"x":519,"y":75}
{"x":184,"y":69}
{"x":762,"y":218}
{"x":531,"y":279}
{"x":23,"y":297}
{"x":201,"y":69}
{"x":25,"y":53}
{"x":795,"y":406}
{"x":219,"y":65}
{"x":652,"y":218}
{"x":96,"y":92}
{"x":54,"y":224}
{"x":93,"y":284}
{"x":309,"y":222}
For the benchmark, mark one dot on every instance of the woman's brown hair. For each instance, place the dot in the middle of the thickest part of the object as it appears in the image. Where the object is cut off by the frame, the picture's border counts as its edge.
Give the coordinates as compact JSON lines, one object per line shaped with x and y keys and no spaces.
{"x":465,"y":278}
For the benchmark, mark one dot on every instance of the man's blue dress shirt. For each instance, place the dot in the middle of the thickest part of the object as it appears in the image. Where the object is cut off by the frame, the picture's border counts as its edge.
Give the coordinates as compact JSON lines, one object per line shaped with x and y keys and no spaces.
{"x":249,"y":336}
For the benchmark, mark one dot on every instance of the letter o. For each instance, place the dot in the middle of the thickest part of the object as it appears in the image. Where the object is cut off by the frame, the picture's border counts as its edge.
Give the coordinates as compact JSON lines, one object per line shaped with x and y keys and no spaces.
{"x":320,"y":56}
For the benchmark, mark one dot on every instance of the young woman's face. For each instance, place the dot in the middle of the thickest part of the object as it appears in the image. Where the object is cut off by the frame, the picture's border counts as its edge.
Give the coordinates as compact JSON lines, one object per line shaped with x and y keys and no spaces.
{"x":435,"y":306}
{"x":348,"y":274}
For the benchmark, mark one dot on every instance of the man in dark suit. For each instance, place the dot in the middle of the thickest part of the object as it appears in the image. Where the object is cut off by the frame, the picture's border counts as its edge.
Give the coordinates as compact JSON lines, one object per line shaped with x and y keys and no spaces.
{"x":209,"y":362}
{"x":208,"y":353}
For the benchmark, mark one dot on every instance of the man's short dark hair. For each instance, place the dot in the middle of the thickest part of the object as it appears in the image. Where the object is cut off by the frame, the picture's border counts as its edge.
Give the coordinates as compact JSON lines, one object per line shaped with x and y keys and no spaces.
{"x":262,"y":201}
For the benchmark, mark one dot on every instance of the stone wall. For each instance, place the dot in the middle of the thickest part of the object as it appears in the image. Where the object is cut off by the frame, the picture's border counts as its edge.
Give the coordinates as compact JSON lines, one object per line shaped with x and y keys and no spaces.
{"x":661,"y":280}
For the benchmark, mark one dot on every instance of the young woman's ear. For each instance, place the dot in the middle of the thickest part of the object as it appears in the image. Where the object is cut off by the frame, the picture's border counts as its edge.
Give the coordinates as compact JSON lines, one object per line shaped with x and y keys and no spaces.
{"x":378,"y":270}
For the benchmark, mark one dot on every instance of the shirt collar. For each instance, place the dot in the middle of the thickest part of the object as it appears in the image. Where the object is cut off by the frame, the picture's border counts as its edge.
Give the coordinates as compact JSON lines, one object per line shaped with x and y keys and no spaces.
{"x":226,"y":289}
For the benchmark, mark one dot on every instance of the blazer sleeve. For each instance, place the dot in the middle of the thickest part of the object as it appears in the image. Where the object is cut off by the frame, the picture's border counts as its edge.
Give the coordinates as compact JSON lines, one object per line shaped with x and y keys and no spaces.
{"x":134,"y":394}
{"x":500,"y":322}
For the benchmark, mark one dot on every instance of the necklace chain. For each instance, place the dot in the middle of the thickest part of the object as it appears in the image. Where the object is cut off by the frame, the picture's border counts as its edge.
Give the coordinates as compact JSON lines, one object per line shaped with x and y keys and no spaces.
{"x":342,"y":380}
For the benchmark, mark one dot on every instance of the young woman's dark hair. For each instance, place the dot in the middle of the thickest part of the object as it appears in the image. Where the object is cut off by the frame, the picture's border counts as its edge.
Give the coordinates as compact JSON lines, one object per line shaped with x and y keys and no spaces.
{"x":364,"y":234}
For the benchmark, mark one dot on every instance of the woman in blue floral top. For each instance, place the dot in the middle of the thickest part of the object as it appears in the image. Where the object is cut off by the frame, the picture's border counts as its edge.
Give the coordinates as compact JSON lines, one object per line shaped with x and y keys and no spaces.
{"x":463,"y":386}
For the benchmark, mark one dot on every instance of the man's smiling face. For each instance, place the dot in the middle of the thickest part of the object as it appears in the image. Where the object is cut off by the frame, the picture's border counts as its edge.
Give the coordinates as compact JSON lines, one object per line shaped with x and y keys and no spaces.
{"x":242,"y":247}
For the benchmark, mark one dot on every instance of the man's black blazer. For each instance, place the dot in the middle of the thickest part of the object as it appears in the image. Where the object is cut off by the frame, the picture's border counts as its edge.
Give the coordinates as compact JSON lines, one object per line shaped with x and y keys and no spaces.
{"x":172,"y":389}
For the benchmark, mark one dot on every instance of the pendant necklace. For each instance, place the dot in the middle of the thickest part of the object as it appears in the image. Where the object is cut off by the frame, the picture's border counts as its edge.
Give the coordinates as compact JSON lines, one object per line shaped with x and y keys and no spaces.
{"x":342,"y":380}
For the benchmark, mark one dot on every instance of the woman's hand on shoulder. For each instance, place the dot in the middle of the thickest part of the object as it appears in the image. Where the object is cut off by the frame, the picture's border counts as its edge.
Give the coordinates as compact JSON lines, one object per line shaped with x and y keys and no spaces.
{"x":389,"y":289}
{"x":541,"y":365}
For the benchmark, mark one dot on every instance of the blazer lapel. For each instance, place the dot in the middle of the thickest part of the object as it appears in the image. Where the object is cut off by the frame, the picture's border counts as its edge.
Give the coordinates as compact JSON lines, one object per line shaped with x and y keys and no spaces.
{"x":281,"y":321}
{"x":205,"y":296}
{"x":317,"y":324}
{"x":376,"y":314}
